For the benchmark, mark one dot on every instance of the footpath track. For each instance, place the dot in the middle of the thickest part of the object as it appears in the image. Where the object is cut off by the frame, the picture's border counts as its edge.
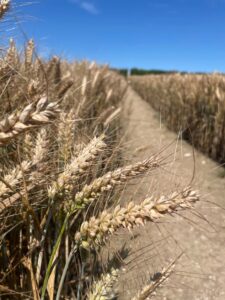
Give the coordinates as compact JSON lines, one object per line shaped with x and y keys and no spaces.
{"x":199,"y":234}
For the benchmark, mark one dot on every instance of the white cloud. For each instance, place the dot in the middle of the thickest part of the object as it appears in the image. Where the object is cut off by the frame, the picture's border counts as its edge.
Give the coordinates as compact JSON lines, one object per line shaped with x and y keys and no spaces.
{"x":87,"y":6}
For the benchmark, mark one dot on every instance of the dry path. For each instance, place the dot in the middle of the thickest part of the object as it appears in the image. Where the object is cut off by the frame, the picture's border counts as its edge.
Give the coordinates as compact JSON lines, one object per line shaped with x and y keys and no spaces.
{"x":200,"y":272}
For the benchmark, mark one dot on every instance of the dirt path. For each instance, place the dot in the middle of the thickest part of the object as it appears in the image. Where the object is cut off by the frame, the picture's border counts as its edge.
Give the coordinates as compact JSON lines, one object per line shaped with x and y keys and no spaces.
{"x":200,"y":272}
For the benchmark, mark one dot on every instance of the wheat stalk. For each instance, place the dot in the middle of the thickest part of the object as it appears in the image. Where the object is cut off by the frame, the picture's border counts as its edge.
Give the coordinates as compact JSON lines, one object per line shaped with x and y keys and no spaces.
{"x":95,"y":231}
{"x":149,"y":289}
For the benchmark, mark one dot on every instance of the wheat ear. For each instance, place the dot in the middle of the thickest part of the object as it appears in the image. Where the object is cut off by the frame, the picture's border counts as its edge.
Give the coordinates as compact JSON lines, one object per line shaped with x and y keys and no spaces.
{"x":66,"y":128}
{"x":40,"y":159}
{"x":41,"y":147}
{"x":34,"y":114}
{"x":4,"y":7}
{"x":78,"y":165}
{"x":103,"y":288}
{"x":10,"y":181}
{"x":111,"y":179}
{"x":11,"y":58}
{"x":29,"y":52}
{"x":95,"y":231}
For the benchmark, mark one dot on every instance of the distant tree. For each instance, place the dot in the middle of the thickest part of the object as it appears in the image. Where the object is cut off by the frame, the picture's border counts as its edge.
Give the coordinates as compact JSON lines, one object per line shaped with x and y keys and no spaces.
{"x":137,"y":71}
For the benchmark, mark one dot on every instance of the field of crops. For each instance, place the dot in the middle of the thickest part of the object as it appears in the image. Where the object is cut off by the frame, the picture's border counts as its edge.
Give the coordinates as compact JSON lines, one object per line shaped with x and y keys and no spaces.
{"x":63,"y":172}
{"x":192,"y":105}
{"x":60,"y":164}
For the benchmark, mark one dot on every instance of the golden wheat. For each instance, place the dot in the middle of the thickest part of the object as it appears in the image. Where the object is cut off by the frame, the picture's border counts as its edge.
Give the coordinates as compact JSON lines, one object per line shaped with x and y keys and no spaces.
{"x":58,"y":158}
{"x":95,"y":231}
{"x":191,"y":105}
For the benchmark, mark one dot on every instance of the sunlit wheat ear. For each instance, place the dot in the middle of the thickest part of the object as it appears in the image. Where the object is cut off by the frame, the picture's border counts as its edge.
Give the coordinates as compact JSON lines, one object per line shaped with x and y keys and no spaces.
{"x":109,"y":93}
{"x":11,"y":57}
{"x":111,"y":179}
{"x":148,"y":291}
{"x":66,"y":132}
{"x":95,"y":80}
{"x":9,"y":62}
{"x":33,"y":115}
{"x":11,"y":181}
{"x":104,"y":287}
{"x":4,"y":7}
{"x":41,"y":147}
{"x":28,"y":145}
{"x":78,"y":166}
{"x":13,"y":178}
{"x":29,"y":52}
{"x":94,"y":232}
{"x":84,"y":86}
{"x":40,"y":159}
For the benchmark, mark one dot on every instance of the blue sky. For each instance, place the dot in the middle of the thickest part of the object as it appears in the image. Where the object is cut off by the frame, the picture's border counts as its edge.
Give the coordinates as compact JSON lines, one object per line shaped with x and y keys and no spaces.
{"x":163,"y":34}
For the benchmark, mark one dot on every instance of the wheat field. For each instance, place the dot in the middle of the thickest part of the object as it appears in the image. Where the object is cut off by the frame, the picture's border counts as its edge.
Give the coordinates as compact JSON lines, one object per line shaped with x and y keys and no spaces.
{"x":62,"y":172}
{"x":192,"y":105}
